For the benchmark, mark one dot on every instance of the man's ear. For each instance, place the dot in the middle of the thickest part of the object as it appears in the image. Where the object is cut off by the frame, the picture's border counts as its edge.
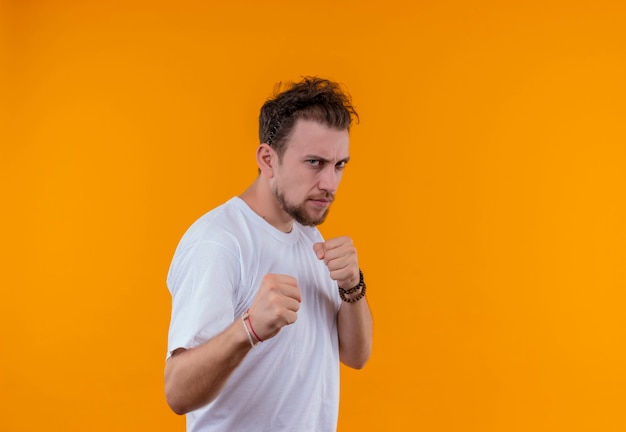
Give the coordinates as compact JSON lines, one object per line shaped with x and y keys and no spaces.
{"x":266,"y":159}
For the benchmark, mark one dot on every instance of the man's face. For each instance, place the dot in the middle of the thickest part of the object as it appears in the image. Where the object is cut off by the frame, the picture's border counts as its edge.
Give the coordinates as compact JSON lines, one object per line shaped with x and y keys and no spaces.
{"x":306,"y":180}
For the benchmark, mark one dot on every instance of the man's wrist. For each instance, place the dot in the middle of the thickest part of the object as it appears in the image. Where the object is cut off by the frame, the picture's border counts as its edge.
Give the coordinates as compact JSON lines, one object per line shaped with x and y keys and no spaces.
{"x":355,"y":293}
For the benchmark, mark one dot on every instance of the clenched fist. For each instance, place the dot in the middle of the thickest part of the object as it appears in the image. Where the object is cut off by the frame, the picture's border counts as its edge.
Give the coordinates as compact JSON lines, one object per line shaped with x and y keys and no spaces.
{"x":276,"y":305}
{"x":339,"y":255}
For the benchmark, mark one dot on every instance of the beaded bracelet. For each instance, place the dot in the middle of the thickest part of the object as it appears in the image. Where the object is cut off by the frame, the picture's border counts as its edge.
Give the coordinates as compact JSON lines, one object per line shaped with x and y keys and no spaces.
{"x":361,"y":286}
{"x":244,"y":317}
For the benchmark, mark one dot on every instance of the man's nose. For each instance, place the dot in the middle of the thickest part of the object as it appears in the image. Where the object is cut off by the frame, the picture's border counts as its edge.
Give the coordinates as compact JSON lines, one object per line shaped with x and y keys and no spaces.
{"x":329,"y":179}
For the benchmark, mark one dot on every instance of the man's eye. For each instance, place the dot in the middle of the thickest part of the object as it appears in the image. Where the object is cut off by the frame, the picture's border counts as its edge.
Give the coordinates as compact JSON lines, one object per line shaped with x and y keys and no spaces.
{"x":341,"y":165}
{"x":314,"y":162}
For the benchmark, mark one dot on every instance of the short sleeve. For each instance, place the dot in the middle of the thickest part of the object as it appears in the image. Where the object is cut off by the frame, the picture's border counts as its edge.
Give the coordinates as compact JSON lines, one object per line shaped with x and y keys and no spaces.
{"x":202,"y":280}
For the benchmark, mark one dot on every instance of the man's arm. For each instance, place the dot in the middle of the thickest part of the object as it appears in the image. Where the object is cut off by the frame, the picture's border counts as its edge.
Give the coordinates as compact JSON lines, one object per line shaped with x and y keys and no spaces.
{"x":354,"y":320}
{"x":194,"y":377}
{"x":354,"y":324}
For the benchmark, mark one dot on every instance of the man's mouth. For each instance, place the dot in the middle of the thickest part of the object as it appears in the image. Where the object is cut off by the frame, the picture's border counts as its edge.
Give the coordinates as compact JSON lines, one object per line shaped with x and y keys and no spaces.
{"x":321,"y":201}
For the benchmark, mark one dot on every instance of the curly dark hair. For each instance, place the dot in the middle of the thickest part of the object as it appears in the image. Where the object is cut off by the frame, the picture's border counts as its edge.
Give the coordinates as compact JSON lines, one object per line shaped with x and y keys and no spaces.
{"x":312,"y":98}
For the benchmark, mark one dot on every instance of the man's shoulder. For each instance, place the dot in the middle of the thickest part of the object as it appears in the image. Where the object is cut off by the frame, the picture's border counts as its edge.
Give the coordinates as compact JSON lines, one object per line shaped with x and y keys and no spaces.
{"x":221,"y":223}
{"x":224,"y":213}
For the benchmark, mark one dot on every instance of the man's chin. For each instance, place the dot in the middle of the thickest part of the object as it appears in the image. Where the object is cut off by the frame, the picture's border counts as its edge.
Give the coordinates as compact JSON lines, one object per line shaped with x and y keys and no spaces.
{"x":305,"y":214}
{"x":320,"y":220}
{"x":310,"y":220}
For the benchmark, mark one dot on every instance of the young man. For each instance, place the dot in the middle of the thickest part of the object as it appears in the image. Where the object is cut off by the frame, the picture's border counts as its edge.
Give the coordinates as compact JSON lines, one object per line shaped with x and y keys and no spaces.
{"x":263,"y":309}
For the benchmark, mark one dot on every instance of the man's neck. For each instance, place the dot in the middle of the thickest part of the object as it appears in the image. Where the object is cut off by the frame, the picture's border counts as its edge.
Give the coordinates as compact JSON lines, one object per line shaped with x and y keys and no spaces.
{"x":261,"y":200}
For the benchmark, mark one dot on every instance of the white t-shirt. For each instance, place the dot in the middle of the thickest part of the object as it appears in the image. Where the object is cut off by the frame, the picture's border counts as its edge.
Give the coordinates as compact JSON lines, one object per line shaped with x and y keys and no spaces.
{"x":289,"y":382}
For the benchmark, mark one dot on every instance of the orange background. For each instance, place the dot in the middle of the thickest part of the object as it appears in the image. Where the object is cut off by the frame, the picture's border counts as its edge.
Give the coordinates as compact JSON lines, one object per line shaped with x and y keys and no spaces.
{"x":485,"y":195}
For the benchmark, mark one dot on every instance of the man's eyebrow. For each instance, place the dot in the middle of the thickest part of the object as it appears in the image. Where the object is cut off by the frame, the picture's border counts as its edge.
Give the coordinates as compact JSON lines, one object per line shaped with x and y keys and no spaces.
{"x":324,"y":160}
{"x":344,"y":160}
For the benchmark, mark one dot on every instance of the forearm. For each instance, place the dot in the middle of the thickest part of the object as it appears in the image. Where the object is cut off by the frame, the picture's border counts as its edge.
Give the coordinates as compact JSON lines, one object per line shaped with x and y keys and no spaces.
{"x":354,"y":324}
{"x":195,"y":377}
{"x":354,"y":320}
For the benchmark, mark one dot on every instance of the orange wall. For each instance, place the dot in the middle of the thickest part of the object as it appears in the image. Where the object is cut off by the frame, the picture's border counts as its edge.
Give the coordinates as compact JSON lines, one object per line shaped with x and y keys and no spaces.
{"x":486,"y":196}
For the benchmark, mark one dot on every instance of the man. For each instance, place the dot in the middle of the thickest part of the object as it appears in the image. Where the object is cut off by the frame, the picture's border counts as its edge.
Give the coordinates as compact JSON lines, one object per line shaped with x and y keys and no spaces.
{"x":263,"y":309}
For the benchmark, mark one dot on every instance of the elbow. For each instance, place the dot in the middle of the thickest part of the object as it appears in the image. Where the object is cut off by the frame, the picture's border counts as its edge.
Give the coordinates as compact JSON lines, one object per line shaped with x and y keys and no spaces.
{"x":360,"y":364}
{"x":180,"y":394}
{"x":178,"y":410}
{"x":355,"y":360}
{"x":357,"y":363}
{"x":173,"y":395}
{"x":173,"y":400}
{"x":180,"y":404}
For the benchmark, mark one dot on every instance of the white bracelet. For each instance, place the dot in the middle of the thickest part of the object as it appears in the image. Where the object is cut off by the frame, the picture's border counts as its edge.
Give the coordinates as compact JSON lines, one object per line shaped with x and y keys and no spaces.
{"x":243,"y":320}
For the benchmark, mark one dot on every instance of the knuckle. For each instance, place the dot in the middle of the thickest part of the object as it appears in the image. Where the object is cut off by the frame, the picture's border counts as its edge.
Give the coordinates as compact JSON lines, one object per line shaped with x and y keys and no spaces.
{"x":273,"y":297}
{"x":267,"y":280}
